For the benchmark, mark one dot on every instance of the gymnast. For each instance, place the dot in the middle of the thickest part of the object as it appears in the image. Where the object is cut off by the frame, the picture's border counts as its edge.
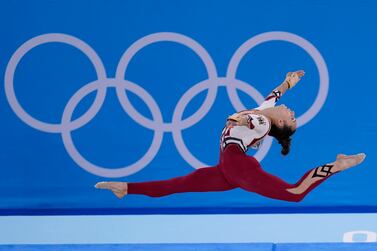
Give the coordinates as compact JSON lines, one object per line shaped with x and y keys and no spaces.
{"x":243,"y":130}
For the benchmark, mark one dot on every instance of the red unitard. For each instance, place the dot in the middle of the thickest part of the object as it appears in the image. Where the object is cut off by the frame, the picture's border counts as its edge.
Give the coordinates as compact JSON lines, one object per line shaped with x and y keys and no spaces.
{"x":236,"y":169}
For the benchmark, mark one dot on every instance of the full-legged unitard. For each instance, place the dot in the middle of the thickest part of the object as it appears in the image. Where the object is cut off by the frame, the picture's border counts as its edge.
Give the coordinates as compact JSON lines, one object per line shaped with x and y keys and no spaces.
{"x":235,"y":170}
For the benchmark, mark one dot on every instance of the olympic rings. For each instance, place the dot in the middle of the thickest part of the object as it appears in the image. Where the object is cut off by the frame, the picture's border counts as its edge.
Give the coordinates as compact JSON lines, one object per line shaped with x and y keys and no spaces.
{"x":156,"y":123}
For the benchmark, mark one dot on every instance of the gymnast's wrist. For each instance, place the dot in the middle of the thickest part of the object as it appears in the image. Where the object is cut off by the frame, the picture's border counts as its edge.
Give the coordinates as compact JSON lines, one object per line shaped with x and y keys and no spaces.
{"x":287,"y":84}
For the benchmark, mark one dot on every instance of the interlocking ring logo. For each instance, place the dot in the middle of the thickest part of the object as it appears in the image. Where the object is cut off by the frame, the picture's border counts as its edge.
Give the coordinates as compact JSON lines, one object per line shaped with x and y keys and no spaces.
{"x":156,"y":124}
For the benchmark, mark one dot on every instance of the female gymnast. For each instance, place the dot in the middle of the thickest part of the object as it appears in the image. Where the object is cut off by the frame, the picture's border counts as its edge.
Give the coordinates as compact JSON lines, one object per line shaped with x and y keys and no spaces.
{"x":236,"y":169}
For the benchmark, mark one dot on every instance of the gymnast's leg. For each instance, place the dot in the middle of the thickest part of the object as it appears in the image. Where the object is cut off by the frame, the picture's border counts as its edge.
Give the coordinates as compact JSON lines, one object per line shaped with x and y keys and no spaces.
{"x":317,"y":175}
{"x":245,"y":172}
{"x":201,"y":180}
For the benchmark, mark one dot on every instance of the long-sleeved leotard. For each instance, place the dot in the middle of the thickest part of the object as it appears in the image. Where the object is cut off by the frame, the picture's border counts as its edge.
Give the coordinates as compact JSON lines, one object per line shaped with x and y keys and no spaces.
{"x":236,"y":169}
{"x":246,"y":128}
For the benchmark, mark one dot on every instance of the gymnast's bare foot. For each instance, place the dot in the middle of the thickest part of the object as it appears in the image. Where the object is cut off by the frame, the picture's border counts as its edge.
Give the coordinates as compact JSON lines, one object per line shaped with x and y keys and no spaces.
{"x":118,"y":188}
{"x":344,"y":162}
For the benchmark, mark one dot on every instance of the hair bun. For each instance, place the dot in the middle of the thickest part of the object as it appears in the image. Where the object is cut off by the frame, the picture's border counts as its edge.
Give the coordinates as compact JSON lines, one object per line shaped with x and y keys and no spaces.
{"x":283,"y":136}
{"x":286,"y":145}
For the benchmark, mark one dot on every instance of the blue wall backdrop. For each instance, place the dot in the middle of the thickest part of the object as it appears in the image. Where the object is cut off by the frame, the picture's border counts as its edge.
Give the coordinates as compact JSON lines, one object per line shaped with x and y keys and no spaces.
{"x":140,"y":90}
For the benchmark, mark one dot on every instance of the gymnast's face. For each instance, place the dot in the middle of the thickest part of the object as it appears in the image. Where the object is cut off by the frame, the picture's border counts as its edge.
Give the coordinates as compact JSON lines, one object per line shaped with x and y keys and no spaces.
{"x":286,"y":117}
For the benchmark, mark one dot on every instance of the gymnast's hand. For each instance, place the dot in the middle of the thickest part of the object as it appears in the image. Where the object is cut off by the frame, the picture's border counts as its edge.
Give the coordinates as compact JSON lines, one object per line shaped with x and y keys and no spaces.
{"x":292,"y":78}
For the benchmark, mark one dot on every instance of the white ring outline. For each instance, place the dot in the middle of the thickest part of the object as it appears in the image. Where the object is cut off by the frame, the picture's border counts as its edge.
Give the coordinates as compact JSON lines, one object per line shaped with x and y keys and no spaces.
{"x":300,"y":42}
{"x":167,"y":37}
{"x":95,"y":169}
{"x":192,"y":92}
{"x":43,"y":39}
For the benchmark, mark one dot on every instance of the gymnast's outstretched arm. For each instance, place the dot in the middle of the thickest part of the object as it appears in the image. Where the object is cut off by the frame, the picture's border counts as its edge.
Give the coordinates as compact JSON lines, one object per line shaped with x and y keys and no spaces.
{"x":291,"y":79}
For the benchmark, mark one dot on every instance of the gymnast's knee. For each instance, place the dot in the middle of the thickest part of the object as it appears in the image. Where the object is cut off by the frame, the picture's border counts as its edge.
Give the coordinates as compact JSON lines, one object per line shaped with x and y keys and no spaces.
{"x":296,"y":198}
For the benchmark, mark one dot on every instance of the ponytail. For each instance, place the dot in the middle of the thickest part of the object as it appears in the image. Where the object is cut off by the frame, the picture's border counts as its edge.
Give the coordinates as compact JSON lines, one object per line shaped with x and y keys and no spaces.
{"x":283,"y":136}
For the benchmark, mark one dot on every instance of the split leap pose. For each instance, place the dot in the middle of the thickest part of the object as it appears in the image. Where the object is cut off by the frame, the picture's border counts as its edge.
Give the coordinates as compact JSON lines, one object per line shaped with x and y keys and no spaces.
{"x":236,"y":169}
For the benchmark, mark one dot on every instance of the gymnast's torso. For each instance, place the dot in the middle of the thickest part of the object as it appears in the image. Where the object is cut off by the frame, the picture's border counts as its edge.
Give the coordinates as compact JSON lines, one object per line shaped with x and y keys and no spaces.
{"x":248,"y":128}
{"x":245,"y":129}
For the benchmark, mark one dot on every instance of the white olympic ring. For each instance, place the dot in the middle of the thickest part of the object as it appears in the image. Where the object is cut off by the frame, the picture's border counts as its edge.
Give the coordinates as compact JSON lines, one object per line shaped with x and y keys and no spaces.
{"x":157,"y":124}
